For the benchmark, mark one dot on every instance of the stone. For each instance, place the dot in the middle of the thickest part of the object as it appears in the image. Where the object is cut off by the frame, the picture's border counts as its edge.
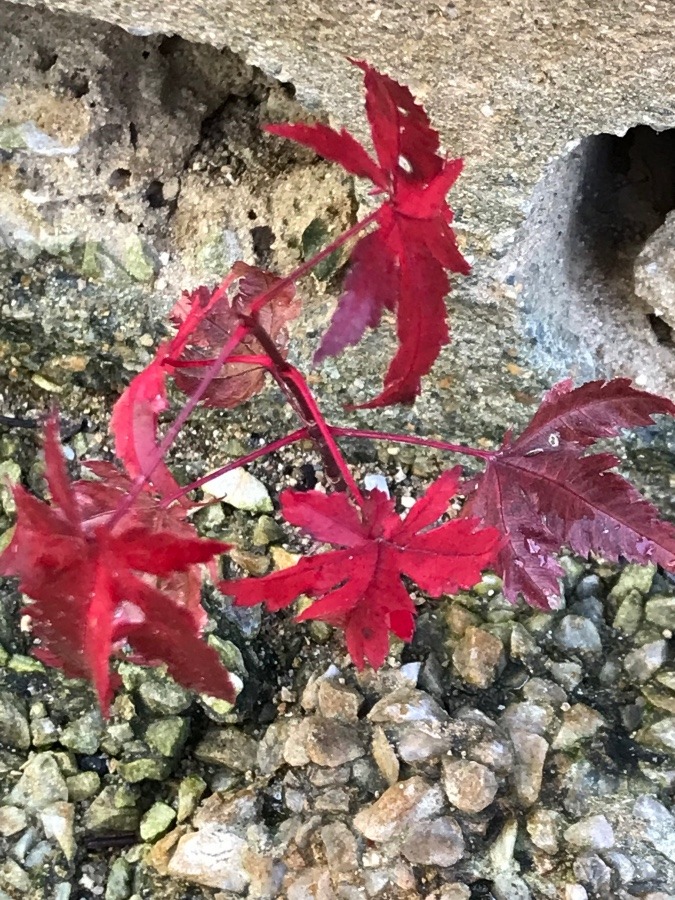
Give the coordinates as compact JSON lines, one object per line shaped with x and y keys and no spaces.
{"x":190,"y":792}
{"x":340,"y":848}
{"x":58,"y":822}
{"x":338,"y":701}
{"x":469,"y":786}
{"x":543,"y":826}
{"x":533,"y":718}
{"x":592,"y":833}
{"x":40,"y":785}
{"x":119,"y":883}
{"x":13,"y":876}
{"x":661,"y":611}
{"x":14,"y":728}
{"x":228,"y":746}
{"x":270,"y":753}
{"x":580,"y":723}
{"x":407,"y":704}
{"x":167,"y":735}
{"x":660,"y":735}
{"x":112,"y":810}
{"x":82,"y":786}
{"x":438,"y":842}
{"x":399,"y":808}
{"x":642,"y":663}
{"x":495,"y":753}
{"x":478,"y":657}
{"x":629,"y":614}
{"x":240,"y":489}
{"x":655,"y":271}
{"x":633,"y":578}
{"x":84,"y":734}
{"x":267,"y":531}
{"x":576,"y":634}
{"x":331,"y":743}
{"x":156,"y":821}
{"x":530,"y":752}
{"x":144,"y":768}
{"x":423,"y":741}
{"x":13,"y":819}
{"x":384,"y":755}
{"x":44,"y":733}
{"x":593,"y":872}
{"x":164,"y":697}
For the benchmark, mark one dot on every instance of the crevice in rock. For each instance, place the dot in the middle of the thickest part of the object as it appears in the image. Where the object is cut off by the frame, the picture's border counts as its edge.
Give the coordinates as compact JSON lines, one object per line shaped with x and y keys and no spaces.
{"x":574,"y":259}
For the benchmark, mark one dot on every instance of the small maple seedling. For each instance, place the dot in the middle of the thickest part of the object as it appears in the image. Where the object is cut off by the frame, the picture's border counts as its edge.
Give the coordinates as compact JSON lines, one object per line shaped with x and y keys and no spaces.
{"x":111,"y":566}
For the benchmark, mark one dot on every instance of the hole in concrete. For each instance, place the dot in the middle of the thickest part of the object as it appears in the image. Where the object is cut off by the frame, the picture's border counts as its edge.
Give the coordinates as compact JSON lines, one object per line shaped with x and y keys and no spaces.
{"x":46,"y":59}
{"x":119,"y":179}
{"x":252,"y":214}
{"x":662,"y":330}
{"x":154,"y":194}
{"x":133,"y":135}
{"x":263,"y":239}
{"x":574,"y":258}
{"x":76,"y":83}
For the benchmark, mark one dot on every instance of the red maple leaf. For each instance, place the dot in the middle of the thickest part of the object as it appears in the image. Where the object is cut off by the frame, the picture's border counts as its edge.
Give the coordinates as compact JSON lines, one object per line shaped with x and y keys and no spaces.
{"x":402,"y":266}
{"x":95,"y":589}
{"x":543,"y":492}
{"x":205,"y":321}
{"x":359,"y":587}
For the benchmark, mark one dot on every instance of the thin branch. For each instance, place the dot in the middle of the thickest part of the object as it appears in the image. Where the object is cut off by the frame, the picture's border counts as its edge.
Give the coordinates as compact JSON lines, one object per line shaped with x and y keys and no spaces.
{"x":412,"y":439}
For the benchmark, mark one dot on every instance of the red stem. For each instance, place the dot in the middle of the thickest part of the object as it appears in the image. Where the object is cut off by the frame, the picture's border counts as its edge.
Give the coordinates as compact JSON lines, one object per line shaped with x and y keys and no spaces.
{"x":412,"y":439}
{"x":237,"y":463}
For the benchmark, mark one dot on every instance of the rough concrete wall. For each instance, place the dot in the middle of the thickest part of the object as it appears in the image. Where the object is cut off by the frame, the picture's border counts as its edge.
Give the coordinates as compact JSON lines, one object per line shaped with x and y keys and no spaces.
{"x":518,"y":89}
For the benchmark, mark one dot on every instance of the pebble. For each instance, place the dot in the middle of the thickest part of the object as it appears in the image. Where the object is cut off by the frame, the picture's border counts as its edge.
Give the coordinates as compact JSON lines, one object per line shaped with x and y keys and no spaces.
{"x":144,"y":768}
{"x":58,"y":822}
{"x":633,"y":578}
{"x":156,"y":821}
{"x":119,"y":884}
{"x":190,"y":792}
{"x":642,"y":663}
{"x":407,"y":705}
{"x":240,"y":489}
{"x":527,"y":716}
{"x":12,"y":820}
{"x":14,"y":728}
{"x":167,"y":735}
{"x":577,"y":634}
{"x":228,"y":746}
{"x":629,"y":614}
{"x":13,"y":876}
{"x":530,"y":754}
{"x":340,"y":848}
{"x":543,"y":826}
{"x":267,"y":531}
{"x":41,"y":784}
{"x":337,"y":701}
{"x":83,"y":785}
{"x":495,"y":753}
{"x":83,"y":735}
{"x":113,"y":810}
{"x":438,"y":842}
{"x":164,"y":697}
{"x":399,"y":808}
{"x":593,"y":872}
{"x":660,"y":735}
{"x":592,"y":833}
{"x":331,"y":743}
{"x":478,"y":657}
{"x":661,"y":611}
{"x":424,"y":741}
{"x":580,"y":722}
{"x":384,"y":756}
{"x":469,"y":786}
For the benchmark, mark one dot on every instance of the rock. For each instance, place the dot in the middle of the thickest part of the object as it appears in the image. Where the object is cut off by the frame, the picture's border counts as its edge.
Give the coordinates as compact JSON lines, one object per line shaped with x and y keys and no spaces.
{"x":164,"y":697}
{"x":655,"y":271}
{"x":144,"y":768}
{"x":533,"y":718}
{"x":267,"y":531}
{"x":593,"y":872}
{"x":313,"y":884}
{"x":337,"y":701}
{"x":660,"y":735}
{"x":495,"y":753}
{"x":12,"y":820}
{"x":580,"y":722}
{"x":407,"y":704}
{"x":629,"y":614}
{"x":156,"y":821}
{"x":340,"y":848}
{"x":190,"y":792}
{"x":508,"y":886}
{"x":228,"y":746}
{"x":423,"y":741}
{"x":270,"y":753}
{"x":384,"y":756}
{"x":438,"y":842}
{"x":633,"y":578}
{"x":642,"y":663}
{"x":44,"y":733}
{"x":14,"y":728}
{"x":240,"y":489}
{"x":295,"y":751}
{"x":167,"y":735}
{"x":399,"y":808}
{"x":530,"y":754}
{"x":84,"y":734}
{"x":119,"y":884}
{"x":655,"y":823}
{"x":478,"y":657}
{"x":83,"y":785}
{"x":592,"y":833}
{"x":330,"y":743}
{"x":661,"y":611}
{"x":13,"y":876}
{"x":112,"y":811}
{"x":40,"y":785}
{"x":576,"y":634}
{"x":58,"y":821}
{"x":543,"y":828}
{"x":469,"y":786}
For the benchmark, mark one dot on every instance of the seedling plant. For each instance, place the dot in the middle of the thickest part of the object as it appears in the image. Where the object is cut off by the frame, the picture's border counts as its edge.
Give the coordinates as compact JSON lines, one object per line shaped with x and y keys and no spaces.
{"x":111,"y":564}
